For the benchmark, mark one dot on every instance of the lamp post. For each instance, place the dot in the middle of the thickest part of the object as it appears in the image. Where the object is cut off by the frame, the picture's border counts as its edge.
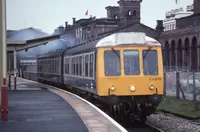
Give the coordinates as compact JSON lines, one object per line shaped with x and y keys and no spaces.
{"x":3,"y":62}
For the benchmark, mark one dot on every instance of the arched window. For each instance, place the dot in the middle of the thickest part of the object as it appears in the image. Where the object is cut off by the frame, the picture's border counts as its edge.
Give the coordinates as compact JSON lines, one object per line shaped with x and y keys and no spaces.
{"x":129,"y":13}
{"x":134,"y":12}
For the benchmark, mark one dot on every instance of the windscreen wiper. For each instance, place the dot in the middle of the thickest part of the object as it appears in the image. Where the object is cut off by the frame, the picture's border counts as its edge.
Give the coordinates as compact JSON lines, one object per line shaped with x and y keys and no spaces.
{"x":115,"y":52}
{"x":147,"y":52}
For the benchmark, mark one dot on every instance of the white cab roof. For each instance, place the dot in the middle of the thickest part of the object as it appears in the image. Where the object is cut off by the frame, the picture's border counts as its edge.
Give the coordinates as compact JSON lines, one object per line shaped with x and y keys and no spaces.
{"x":124,"y":38}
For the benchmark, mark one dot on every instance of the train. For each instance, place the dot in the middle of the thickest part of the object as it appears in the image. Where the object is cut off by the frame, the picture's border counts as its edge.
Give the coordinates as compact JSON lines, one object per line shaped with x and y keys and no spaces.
{"x":123,"y":70}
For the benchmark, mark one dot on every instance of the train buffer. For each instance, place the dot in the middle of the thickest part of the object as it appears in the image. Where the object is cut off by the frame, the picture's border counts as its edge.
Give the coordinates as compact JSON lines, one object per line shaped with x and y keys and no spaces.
{"x":43,"y":108}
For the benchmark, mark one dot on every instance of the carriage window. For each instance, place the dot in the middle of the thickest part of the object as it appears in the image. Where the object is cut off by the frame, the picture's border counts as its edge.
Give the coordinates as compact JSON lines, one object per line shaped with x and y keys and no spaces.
{"x":83,"y":65}
{"x":80,"y":66}
{"x":72,"y":66}
{"x":49,"y":66}
{"x":131,"y":62}
{"x":65,"y":65}
{"x":150,"y":62}
{"x":91,"y":64}
{"x":86,"y":65}
{"x":55,"y":66}
{"x":77,"y":65}
{"x":58,"y":67}
{"x":112,"y":62}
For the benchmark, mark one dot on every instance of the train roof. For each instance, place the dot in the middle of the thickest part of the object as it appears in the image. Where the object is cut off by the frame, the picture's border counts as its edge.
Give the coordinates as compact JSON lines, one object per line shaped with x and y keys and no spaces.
{"x":127,"y":38}
{"x":51,"y":54}
{"x":122,"y":38}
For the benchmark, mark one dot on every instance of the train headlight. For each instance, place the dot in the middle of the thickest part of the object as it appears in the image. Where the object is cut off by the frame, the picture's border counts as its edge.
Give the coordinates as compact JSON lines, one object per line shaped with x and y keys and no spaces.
{"x":151,"y":87}
{"x":132,"y":88}
{"x":112,"y":88}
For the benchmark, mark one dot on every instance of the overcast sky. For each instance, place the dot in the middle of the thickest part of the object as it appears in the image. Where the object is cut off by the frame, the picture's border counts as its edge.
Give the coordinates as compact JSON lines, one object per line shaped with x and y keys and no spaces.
{"x":49,"y":14}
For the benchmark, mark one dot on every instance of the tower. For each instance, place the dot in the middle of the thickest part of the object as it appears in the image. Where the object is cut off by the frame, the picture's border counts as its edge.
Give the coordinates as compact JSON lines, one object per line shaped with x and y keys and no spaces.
{"x":112,"y":12}
{"x":196,"y":6}
{"x":129,"y":11}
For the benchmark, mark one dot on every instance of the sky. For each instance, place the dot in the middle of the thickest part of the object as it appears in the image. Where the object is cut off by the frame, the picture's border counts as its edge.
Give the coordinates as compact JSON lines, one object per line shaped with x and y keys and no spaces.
{"x":47,"y":15}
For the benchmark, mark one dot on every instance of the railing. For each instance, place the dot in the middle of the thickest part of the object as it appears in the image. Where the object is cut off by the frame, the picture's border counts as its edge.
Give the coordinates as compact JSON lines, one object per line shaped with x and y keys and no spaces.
{"x":183,"y":85}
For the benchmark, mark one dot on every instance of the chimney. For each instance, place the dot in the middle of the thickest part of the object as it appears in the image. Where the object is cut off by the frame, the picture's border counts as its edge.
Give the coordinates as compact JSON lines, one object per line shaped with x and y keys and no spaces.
{"x":74,"y":20}
{"x":159,"y":27}
{"x":66,"y":25}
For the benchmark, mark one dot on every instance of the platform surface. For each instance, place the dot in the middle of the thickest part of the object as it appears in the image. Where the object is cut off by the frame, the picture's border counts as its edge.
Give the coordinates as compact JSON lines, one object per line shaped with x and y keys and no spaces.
{"x":36,"y":107}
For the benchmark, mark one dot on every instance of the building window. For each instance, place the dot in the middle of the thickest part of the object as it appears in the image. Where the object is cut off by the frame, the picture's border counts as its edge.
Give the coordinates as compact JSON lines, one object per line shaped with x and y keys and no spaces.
{"x":134,"y":12}
{"x":129,"y":13}
{"x":115,"y":17}
{"x":78,"y":32}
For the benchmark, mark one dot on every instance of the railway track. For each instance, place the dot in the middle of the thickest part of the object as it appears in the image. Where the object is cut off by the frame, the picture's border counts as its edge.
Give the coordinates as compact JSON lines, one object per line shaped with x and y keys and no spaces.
{"x":130,"y":126}
{"x":137,"y":127}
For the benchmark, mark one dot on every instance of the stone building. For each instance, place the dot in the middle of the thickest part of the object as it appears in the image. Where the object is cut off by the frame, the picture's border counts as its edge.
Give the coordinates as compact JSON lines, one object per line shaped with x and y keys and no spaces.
{"x":125,"y":17}
{"x":169,"y":22}
{"x":181,"y":46}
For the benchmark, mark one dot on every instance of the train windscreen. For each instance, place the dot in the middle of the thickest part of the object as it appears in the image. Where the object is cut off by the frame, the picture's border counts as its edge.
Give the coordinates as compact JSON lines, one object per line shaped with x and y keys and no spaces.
{"x":131,"y":62}
{"x":150,"y":62}
{"x":112,"y":62}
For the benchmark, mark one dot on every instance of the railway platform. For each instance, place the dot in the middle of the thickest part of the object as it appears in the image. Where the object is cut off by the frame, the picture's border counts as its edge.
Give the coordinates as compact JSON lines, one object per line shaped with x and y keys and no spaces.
{"x":36,"y":107}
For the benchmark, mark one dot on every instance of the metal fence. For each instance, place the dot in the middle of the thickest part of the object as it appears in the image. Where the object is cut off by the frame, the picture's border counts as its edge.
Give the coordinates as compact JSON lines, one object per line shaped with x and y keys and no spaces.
{"x":183,"y":84}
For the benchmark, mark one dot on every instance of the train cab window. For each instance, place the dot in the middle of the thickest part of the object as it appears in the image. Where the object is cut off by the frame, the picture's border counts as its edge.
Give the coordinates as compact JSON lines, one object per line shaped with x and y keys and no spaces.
{"x":112,"y":62}
{"x":131,"y":62}
{"x":150,"y":62}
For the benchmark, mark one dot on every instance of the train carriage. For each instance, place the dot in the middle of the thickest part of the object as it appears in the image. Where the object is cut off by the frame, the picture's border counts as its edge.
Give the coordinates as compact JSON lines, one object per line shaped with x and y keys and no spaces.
{"x":28,"y":69}
{"x":125,"y":70}
{"x":120,"y":68}
{"x":50,"y":67}
{"x":79,"y":67}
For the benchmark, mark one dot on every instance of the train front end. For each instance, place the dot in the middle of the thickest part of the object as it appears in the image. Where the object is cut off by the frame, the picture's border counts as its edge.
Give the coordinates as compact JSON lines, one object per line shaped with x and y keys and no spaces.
{"x":130,"y":69}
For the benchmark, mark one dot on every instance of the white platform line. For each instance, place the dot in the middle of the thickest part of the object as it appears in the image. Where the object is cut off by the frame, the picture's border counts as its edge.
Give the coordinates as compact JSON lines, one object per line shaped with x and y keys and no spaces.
{"x":100,"y":111}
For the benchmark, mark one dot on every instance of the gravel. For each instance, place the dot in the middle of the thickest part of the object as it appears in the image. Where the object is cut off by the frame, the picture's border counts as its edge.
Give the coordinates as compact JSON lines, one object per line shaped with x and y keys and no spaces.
{"x":171,"y":123}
